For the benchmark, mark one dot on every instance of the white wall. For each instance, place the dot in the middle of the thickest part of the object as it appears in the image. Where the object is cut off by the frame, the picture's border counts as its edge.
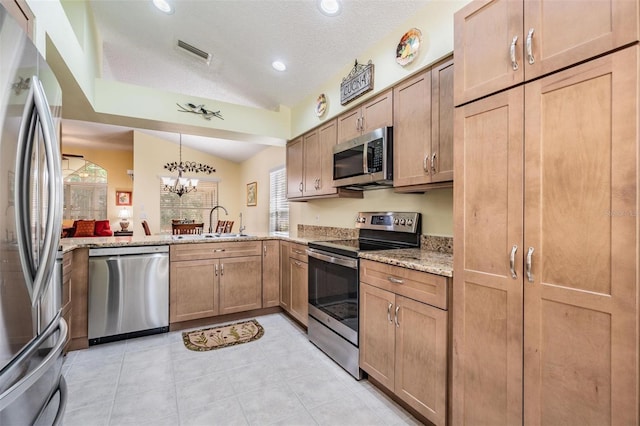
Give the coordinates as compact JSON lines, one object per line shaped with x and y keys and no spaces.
{"x":436,"y":207}
{"x":150,"y":154}
{"x":257,"y":169}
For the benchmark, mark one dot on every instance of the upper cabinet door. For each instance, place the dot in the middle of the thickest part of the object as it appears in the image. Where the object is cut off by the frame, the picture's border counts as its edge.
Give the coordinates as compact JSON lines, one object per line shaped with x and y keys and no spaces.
{"x":441,"y":161}
{"x":327,"y":135}
{"x":349,"y":125}
{"x":500,"y":43}
{"x":378,"y":112}
{"x":560,"y":33}
{"x":485,"y":32}
{"x":295,"y":161}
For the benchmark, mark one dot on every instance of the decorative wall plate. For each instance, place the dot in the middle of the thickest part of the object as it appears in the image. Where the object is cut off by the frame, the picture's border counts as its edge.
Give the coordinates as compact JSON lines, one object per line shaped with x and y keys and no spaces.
{"x":321,"y":105}
{"x":408,"y":47}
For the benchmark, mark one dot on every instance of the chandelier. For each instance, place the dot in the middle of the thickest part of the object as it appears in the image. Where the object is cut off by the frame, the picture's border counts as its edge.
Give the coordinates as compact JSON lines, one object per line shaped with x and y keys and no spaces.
{"x":182,"y":185}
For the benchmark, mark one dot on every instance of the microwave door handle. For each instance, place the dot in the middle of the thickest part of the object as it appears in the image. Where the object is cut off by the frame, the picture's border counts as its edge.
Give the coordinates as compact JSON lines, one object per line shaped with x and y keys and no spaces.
{"x":365,"y":157}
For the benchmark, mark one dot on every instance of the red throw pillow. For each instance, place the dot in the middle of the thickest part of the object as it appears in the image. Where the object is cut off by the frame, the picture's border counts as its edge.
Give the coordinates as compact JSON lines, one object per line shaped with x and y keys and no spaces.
{"x":103,"y":229}
{"x":85,"y":228}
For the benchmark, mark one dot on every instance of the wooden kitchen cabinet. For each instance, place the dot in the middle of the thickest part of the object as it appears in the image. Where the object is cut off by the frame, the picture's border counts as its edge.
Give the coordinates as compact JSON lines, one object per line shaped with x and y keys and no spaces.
{"x":79,"y":325}
{"x":285,"y":278}
{"x":240,"y":284}
{"x":294,"y":291}
{"x":295,"y":161}
{"x":193,"y":289}
{"x":67,"y":262}
{"x":318,"y":160}
{"x":404,"y":341}
{"x":270,"y":273}
{"x":310,"y":165}
{"x":491,"y":39}
{"x":423,"y":129}
{"x":372,"y":114}
{"x":547,"y":171}
{"x":209,"y":279}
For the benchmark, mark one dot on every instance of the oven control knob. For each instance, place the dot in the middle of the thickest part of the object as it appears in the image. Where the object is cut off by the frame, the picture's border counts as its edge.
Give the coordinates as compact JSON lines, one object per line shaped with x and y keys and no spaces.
{"x":396,"y":221}
{"x":409,"y":222}
{"x":402,"y":221}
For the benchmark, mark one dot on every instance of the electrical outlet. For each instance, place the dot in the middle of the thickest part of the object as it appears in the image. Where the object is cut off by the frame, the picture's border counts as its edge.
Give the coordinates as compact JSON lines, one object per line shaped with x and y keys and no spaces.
{"x":317,"y":218}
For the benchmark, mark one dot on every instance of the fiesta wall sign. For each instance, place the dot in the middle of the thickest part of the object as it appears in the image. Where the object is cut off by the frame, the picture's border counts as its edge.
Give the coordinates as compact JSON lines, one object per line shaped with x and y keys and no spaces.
{"x":357,"y":83}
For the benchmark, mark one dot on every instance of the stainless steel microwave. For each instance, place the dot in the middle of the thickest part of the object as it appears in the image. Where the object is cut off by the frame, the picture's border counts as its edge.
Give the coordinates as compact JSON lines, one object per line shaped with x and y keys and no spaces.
{"x":365,"y":162}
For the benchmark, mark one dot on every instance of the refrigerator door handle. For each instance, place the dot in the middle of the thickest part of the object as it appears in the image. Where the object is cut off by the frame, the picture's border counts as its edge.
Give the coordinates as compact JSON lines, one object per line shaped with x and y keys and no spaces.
{"x":37,"y":276}
{"x":62,"y":389}
{"x":21,"y":191}
{"x":54,"y":179}
{"x":11,"y":394}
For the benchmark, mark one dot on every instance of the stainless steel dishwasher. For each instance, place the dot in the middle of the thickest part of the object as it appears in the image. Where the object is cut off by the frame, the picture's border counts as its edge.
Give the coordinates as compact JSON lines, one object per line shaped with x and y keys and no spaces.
{"x":128,"y":292}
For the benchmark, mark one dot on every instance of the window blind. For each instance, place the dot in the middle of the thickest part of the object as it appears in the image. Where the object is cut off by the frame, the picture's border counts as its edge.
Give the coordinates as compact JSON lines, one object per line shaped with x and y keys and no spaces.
{"x":278,"y":203}
{"x":192,"y":206}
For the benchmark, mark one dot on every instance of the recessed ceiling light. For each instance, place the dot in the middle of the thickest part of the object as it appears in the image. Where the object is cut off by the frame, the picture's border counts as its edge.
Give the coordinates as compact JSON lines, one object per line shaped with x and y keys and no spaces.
{"x":329,"y":7}
{"x":278,"y":66}
{"x":164,"y":6}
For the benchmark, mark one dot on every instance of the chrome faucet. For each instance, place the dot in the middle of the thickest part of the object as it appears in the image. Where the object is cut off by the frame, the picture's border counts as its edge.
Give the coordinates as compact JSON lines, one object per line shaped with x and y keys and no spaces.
{"x":242,"y":228}
{"x":211,"y":215}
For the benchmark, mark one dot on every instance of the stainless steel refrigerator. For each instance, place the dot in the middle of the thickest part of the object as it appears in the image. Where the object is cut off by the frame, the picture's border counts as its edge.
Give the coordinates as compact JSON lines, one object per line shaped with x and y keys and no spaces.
{"x":32,"y":331}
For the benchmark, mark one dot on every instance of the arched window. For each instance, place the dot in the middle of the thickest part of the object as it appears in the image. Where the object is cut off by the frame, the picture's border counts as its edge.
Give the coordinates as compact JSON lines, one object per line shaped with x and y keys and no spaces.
{"x":85,"y":189}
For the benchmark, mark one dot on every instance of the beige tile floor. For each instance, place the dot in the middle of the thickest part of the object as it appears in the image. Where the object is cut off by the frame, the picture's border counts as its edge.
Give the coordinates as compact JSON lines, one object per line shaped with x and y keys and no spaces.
{"x":280,"y":379}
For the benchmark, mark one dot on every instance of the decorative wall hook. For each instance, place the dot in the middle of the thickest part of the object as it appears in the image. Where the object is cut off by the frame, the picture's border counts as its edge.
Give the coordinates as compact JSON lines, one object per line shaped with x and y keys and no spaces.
{"x":199,"y":109}
{"x":20,"y":85}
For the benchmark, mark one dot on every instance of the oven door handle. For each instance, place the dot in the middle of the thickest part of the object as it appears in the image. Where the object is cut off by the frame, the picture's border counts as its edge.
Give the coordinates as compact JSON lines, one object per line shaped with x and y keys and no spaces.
{"x":338,"y":260}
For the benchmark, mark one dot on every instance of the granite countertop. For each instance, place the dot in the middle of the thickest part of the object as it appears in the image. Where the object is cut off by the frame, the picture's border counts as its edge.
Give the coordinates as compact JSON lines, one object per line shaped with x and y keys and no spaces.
{"x":433,"y":262}
{"x":68,"y":244}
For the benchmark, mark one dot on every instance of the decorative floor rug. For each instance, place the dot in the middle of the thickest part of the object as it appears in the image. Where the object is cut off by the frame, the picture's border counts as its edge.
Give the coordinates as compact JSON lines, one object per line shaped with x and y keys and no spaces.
{"x":225,"y":335}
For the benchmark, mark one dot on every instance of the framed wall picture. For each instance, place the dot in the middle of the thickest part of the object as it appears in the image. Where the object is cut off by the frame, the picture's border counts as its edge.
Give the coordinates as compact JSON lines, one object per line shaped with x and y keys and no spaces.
{"x":123,"y":198}
{"x":252,"y":194}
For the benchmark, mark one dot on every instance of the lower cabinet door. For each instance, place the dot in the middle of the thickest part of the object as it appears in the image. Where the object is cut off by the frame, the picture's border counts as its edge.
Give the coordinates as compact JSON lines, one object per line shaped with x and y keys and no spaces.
{"x":240,"y":284}
{"x":193,"y":290}
{"x":421,"y":358}
{"x":299,"y":290}
{"x":377,"y":334}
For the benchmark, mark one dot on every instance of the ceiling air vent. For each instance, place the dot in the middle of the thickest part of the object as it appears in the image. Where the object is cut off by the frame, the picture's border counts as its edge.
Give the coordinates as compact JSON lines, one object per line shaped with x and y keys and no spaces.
{"x":206,"y":57}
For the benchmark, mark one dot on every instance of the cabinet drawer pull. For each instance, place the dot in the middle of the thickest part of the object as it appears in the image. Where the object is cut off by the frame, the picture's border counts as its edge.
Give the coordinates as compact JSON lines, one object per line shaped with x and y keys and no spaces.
{"x":433,"y":163}
{"x":296,"y":251}
{"x":529,"y":262}
{"x":532,"y":60}
{"x":512,"y":53}
{"x":216,"y":270}
{"x":222,"y":269}
{"x":265,"y":250}
{"x":300,"y":187}
{"x":512,"y":261}
{"x":389,"y":312}
{"x":218,"y":250}
{"x":397,"y":321}
{"x":395,"y":280}
{"x":298,"y":264}
{"x":425,"y":163}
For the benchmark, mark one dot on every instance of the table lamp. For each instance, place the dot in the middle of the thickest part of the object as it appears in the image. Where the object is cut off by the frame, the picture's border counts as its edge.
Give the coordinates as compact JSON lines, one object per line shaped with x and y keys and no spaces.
{"x":124,"y":216}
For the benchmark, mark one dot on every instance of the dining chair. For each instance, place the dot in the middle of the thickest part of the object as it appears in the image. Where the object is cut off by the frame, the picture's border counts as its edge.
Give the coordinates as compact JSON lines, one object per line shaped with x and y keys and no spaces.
{"x":224,"y":226}
{"x":187,"y":228}
{"x":145,"y":226}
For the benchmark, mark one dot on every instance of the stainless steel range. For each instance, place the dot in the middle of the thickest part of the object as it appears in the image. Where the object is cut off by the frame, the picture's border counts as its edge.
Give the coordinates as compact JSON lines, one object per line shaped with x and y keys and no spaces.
{"x":334,"y":281}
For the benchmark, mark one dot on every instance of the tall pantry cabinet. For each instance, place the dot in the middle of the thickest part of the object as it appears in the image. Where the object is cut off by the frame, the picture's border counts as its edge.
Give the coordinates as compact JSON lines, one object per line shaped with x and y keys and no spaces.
{"x":545,"y":294}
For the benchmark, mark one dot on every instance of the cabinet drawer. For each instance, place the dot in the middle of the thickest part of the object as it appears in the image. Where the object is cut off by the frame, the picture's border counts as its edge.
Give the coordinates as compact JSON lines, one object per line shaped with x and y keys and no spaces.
{"x":420,"y":286}
{"x":197,"y":251}
{"x":298,"y":252}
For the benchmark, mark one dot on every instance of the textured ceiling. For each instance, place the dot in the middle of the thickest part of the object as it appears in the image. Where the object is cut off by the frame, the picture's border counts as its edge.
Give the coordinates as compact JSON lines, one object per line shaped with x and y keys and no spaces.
{"x":244,"y":37}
